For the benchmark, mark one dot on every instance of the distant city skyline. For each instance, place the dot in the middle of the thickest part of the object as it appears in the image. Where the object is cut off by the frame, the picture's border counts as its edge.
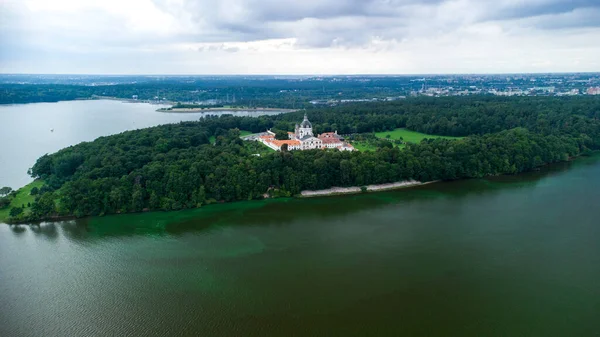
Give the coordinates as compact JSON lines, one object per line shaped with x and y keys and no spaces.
{"x":309,"y":37}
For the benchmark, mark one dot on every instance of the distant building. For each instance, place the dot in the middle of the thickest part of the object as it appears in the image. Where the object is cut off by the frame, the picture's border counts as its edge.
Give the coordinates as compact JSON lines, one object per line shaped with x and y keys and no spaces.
{"x":303,"y":139}
{"x":544,"y":89}
{"x":572,"y":92}
{"x":593,"y":91}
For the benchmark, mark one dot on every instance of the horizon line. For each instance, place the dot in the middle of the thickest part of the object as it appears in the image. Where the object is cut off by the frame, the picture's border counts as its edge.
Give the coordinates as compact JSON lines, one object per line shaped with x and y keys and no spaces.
{"x":301,"y":75}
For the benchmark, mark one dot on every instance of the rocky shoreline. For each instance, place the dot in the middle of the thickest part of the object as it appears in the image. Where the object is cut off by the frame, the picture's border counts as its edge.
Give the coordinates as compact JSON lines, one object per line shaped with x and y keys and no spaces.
{"x":356,"y":189}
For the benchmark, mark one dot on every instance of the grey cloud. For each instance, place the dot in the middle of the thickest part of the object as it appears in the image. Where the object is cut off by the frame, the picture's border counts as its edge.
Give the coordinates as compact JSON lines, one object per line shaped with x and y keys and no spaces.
{"x":260,"y":11}
{"x":346,"y":31}
{"x":352,"y":23}
{"x":422,"y":34}
{"x":276,"y":10}
{"x":547,"y":14}
{"x":315,"y":23}
{"x":579,"y":18}
{"x":527,"y":9}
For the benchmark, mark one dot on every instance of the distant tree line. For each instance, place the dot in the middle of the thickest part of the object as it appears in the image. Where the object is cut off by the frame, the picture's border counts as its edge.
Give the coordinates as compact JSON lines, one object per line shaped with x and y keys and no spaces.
{"x":459,"y":116}
{"x":267,"y":93}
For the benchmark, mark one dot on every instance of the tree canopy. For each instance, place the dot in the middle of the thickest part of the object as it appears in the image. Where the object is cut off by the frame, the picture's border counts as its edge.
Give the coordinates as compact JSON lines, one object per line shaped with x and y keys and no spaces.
{"x":4,"y":191}
{"x":175,"y":166}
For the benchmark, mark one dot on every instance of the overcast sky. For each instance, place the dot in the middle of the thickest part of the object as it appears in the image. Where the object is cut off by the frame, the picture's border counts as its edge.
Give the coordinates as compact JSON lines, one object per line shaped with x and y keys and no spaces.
{"x":298,"y":36}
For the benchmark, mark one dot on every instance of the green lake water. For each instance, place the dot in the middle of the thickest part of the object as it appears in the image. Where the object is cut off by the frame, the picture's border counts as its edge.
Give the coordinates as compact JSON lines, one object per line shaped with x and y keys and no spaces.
{"x":508,"y":256}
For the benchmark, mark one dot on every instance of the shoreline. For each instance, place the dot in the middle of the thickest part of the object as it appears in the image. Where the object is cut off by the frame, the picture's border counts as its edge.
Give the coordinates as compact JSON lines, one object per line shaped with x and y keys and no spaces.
{"x":124,"y":100}
{"x":304,"y":194}
{"x":93,"y":98}
{"x":357,"y":190}
{"x":334,"y":191}
{"x":193,"y":110}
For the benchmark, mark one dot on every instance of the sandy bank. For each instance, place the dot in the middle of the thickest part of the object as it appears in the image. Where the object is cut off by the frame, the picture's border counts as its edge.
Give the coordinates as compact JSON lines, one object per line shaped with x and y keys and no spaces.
{"x":370,"y":188}
{"x":186,"y":110}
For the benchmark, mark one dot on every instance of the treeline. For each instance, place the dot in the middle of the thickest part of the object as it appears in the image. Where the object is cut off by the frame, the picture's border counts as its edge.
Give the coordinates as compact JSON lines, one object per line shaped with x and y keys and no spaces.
{"x":251,"y":92}
{"x":36,"y":93}
{"x":448,"y":116}
{"x":175,"y":166}
{"x":461,"y":116}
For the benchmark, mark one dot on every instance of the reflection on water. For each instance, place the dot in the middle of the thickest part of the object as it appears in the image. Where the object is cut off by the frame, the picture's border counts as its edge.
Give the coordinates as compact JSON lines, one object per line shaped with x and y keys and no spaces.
{"x":279,"y":212}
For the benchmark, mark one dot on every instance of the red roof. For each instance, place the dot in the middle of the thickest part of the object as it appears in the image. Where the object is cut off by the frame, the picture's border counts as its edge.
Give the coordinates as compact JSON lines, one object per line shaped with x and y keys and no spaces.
{"x":279,"y":143}
{"x":330,"y":140}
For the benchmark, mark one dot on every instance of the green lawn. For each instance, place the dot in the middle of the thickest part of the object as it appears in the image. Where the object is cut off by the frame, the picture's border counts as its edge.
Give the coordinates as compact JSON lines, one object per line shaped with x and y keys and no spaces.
{"x":363,"y":146}
{"x":258,"y":147}
{"x":22,"y":198}
{"x":410,"y":136}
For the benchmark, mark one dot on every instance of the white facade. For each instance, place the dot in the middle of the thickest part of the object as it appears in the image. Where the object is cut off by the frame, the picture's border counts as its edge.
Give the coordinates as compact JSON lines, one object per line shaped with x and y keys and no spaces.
{"x":310,"y":143}
{"x":303,"y":139}
{"x":304,"y":129}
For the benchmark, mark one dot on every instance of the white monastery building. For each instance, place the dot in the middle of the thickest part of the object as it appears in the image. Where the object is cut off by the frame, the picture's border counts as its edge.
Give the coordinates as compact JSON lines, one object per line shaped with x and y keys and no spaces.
{"x":304,"y":139}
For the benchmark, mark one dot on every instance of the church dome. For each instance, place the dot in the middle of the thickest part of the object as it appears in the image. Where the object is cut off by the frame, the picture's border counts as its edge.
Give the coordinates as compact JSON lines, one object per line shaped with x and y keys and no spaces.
{"x":305,"y":123}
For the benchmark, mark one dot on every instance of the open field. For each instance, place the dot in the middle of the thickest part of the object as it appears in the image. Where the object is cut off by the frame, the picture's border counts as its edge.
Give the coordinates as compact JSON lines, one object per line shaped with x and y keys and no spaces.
{"x":22,"y":198}
{"x":409,"y":136}
{"x":363,"y":146}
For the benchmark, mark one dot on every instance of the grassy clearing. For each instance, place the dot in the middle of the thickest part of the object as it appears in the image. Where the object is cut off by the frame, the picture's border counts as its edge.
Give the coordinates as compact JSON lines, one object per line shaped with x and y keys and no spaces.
{"x":255,"y":147}
{"x":363,"y":146}
{"x":258,"y":147}
{"x":22,"y":198}
{"x":409,"y":136}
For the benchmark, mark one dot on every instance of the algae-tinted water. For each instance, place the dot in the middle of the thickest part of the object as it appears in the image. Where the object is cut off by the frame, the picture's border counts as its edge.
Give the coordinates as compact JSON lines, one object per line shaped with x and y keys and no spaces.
{"x":509,"y":256}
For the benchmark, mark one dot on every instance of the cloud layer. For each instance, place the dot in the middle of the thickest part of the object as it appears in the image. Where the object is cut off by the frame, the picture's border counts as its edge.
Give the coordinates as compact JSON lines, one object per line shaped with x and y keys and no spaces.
{"x":290,"y":37}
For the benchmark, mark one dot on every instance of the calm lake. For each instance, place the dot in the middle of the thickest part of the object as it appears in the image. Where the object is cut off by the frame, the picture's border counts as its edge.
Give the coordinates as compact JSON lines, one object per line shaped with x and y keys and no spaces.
{"x":509,"y":256}
{"x":26,"y":129}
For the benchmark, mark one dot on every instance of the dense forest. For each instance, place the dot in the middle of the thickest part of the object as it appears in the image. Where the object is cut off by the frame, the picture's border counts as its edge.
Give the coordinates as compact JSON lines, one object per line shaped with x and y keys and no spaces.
{"x":176,"y":166}
{"x":462,"y":116}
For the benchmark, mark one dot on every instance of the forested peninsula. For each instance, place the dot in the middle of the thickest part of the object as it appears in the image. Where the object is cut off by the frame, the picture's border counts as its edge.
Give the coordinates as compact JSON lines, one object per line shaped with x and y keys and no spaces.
{"x":191,"y":164}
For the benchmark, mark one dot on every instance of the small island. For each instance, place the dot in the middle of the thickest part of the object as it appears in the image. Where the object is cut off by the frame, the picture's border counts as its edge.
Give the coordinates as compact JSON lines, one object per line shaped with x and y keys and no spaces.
{"x":188,"y":107}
